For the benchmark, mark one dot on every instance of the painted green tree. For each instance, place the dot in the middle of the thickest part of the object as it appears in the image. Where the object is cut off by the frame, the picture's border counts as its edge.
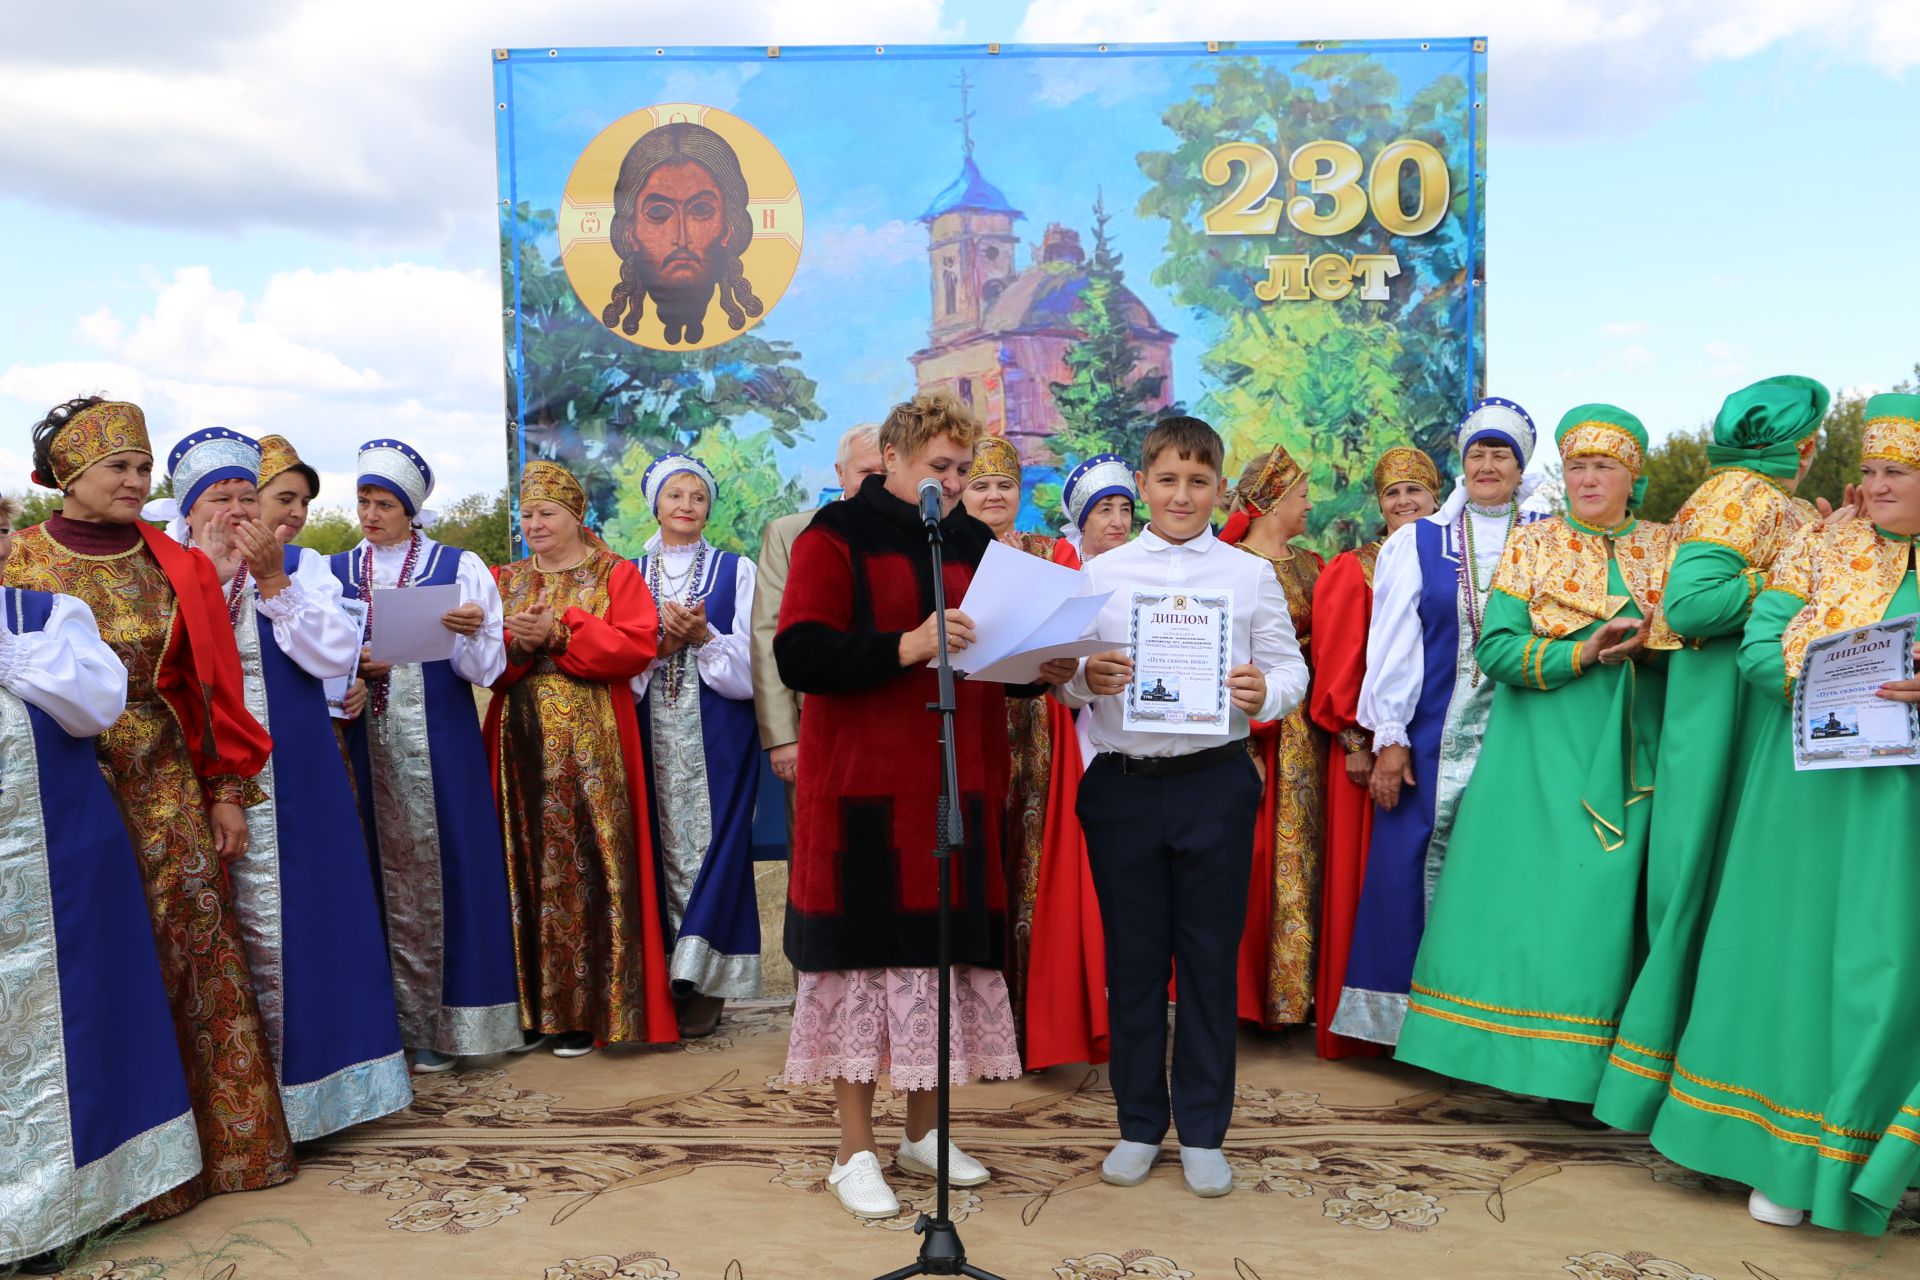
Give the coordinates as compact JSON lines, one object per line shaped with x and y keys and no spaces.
{"x":605,"y":407}
{"x":1337,"y":382}
{"x":1103,"y":405}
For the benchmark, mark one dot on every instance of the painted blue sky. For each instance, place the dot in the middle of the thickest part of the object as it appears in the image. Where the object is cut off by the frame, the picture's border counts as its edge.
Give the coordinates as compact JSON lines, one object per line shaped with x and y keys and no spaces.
{"x":1051,"y":132}
{"x":281,"y":217}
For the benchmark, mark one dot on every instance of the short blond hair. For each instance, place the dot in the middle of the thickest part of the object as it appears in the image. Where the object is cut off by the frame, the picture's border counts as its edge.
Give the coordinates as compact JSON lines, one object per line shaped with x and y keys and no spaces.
{"x":913,"y":424}
{"x":9,"y":511}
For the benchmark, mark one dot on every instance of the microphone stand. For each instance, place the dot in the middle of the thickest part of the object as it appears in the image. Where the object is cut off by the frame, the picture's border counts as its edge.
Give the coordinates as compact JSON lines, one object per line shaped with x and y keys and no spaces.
{"x":941,"y":1253}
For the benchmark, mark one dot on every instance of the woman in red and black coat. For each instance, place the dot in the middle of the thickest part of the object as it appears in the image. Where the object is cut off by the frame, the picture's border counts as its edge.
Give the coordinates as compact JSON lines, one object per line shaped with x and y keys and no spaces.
{"x":856,"y":634}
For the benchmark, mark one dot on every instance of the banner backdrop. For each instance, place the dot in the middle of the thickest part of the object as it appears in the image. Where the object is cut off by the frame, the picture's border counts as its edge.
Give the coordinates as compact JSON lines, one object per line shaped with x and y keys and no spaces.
{"x":740,"y":253}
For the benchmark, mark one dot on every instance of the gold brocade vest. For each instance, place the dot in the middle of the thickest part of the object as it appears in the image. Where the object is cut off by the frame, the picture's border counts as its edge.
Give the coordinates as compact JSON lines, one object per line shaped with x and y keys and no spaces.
{"x":1846,"y":573}
{"x":1749,"y":514}
{"x":1560,"y":571}
{"x":1367,"y":554}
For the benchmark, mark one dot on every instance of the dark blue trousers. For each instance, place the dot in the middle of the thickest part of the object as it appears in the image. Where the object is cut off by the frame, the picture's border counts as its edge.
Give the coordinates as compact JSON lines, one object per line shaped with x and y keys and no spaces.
{"x":1170,"y":858}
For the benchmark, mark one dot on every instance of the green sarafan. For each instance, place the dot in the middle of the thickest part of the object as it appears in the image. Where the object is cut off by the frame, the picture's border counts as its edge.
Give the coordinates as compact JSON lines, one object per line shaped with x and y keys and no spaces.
{"x":1341,"y":382}
{"x":605,"y":407}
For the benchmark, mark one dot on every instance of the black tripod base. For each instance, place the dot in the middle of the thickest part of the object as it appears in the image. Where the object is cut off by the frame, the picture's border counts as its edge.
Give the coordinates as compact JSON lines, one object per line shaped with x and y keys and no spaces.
{"x":941,"y":1254}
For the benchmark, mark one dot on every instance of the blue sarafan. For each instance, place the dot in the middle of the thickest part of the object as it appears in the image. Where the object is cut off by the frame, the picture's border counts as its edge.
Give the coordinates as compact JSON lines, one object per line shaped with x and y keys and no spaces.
{"x":95,"y":1096}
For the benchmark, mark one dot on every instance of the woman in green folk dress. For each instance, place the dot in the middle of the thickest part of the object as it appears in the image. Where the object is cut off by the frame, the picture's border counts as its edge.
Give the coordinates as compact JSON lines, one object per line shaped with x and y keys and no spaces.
{"x":1725,"y":540}
{"x":1535,"y":930}
{"x":1799,"y":1069}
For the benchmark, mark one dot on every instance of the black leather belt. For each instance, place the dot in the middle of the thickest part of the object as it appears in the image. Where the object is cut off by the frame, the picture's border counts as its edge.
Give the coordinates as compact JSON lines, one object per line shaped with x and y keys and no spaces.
{"x":1171,"y":766}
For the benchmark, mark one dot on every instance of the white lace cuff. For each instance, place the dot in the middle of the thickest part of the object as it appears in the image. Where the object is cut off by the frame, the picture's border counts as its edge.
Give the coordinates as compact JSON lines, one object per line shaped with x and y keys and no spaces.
{"x":289,"y":604}
{"x":1390,"y":734}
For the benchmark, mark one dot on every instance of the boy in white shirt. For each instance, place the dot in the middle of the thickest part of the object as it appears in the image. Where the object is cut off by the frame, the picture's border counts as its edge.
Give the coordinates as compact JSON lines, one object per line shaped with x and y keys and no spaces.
{"x":1169,"y":817}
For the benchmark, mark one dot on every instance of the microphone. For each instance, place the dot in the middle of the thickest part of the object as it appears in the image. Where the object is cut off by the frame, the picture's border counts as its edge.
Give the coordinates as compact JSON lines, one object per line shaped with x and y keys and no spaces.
{"x":930,"y":497}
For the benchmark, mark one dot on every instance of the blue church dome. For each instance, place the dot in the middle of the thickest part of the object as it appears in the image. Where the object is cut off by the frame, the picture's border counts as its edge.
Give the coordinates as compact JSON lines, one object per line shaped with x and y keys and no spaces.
{"x":972,"y":192}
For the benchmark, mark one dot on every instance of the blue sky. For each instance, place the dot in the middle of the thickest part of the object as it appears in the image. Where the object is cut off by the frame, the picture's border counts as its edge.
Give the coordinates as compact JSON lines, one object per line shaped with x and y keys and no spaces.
{"x":269,"y":221}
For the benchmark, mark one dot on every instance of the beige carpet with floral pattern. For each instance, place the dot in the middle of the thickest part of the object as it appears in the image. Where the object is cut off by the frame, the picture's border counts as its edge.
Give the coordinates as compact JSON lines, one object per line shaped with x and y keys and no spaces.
{"x":695,"y":1163}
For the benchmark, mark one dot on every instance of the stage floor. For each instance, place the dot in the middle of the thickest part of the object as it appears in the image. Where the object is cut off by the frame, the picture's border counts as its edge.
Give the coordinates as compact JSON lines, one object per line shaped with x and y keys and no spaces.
{"x":695,"y":1163}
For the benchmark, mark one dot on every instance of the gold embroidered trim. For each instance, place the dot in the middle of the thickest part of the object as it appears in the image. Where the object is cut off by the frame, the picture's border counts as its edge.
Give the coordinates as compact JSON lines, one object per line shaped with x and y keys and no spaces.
{"x":1785,"y":1135}
{"x":1530,"y":1033}
{"x":1645,"y":1052}
{"x":1620,"y":1062}
{"x":1901,"y":1131}
{"x":1514,"y":1013}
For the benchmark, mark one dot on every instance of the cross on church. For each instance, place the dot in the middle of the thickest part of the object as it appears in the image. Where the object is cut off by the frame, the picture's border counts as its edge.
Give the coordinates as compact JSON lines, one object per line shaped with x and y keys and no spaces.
{"x":965,"y":117}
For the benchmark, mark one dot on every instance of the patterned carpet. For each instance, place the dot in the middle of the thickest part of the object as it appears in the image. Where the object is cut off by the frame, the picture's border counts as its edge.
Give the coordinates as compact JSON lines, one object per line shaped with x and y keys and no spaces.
{"x":695,"y":1163}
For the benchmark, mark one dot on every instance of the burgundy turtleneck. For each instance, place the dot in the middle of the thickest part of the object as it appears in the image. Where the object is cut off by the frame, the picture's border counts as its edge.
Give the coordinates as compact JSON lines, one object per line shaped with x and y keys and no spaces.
{"x":90,"y":538}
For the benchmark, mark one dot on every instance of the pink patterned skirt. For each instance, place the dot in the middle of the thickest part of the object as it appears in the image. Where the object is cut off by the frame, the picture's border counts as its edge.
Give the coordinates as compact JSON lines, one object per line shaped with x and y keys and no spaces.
{"x":854,"y":1024}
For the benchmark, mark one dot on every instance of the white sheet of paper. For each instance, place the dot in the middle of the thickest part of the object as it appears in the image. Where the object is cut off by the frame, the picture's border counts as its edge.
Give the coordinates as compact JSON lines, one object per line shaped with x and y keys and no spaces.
{"x":1012,"y":595}
{"x":1024,"y":668}
{"x":356,"y":611}
{"x":407,"y":626}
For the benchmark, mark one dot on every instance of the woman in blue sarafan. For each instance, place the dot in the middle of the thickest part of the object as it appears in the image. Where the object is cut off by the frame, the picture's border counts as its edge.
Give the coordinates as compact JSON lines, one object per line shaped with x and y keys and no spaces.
{"x":696,"y":719}
{"x":304,"y":891}
{"x":1426,"y":703}
{"x":94,"y":1100}
{"x":425,"y":787}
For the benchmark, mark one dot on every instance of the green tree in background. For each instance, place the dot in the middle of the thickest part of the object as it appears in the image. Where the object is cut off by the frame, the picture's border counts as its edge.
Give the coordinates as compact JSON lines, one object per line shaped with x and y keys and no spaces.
{"x":1675,"y":468}
{"x":1274,"y":364}
{"x":1678,"y":464}
{"x":477,"y":523}
{"x":1103,"y":406}
{"x":329,"y":531}
{"x":604,"y":407}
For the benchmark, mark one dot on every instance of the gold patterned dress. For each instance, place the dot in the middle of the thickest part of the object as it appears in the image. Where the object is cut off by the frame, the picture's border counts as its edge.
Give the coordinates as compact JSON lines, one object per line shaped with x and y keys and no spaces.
{"x":1031,"y":731}
{"x":565,"y":747}
{"x":1277,"y":951}
{"x":164,"y":796}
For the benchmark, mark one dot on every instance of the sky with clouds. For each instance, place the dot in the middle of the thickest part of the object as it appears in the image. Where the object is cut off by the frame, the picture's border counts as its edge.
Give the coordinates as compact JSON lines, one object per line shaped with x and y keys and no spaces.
{"x":282,"y":217}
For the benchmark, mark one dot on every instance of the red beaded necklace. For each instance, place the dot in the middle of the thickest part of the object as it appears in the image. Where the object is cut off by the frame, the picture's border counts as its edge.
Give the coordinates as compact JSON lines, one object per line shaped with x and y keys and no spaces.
{"x":377,"y":688}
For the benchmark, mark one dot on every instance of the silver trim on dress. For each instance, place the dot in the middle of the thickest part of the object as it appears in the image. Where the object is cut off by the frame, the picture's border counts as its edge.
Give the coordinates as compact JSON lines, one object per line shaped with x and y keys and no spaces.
{"x":256,"y":874}
{"x":45,"y":1200}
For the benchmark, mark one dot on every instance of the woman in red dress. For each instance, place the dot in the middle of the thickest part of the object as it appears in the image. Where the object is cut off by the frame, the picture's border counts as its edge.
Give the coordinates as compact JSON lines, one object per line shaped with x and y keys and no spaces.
{"x":1406,"y":483}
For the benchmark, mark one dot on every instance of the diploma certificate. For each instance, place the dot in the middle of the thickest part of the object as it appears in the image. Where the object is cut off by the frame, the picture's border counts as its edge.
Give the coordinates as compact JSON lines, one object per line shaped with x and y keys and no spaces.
{"x":1838,"y":722}
{"x":1180,"y":643}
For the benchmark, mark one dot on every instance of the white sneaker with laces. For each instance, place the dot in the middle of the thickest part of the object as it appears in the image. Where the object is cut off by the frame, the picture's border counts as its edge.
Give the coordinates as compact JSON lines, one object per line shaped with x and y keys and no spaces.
{"x":1774,"y":1215}
{"x":920,"y":1157}
{"x":863,"y":1188}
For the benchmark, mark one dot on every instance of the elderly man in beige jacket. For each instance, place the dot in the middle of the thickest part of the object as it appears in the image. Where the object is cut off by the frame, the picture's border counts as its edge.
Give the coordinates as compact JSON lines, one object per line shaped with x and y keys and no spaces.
{"x":777,"y":706}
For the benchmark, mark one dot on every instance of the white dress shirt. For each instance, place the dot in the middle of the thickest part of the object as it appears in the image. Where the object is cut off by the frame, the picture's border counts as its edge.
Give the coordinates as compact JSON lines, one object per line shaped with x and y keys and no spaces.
{"x":65,"y":669}
{"x":1262,"y":634}
{"x":725,"y":661}
{"x":1396,"y":642}
{"x":478,"y":658}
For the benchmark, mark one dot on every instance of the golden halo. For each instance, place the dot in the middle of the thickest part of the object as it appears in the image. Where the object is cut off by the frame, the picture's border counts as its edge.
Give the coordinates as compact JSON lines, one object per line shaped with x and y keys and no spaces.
{"x":587,"y":216}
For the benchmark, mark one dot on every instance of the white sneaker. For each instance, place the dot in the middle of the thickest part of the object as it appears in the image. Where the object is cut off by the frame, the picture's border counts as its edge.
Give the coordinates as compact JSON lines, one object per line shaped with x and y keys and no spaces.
{"x":1775,"y":1215}
{"x":920,"y":1157}
{"x":1207,"y":1172}
{"x":1129,"y":1163}
{"x":863,"y":1188}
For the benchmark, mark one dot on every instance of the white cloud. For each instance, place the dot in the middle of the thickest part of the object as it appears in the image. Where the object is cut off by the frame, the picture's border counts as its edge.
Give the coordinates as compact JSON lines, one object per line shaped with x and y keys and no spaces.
{"x":345,"y":117}
{"x":1726,"y":362}
{"x":1626,"y":328}
{"x":327,"y":358}
{"x":857,"y":249}
{"x":1560,"y":66}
